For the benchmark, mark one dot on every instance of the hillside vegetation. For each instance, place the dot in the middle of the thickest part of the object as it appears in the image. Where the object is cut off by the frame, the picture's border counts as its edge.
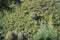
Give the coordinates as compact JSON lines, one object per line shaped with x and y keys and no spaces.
{"x":37,"y":19}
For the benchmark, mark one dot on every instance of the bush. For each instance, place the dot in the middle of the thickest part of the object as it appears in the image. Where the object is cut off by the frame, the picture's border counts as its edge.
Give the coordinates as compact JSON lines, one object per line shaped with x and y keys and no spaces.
{"x":29,"y":15}
{"x":46,"y":34}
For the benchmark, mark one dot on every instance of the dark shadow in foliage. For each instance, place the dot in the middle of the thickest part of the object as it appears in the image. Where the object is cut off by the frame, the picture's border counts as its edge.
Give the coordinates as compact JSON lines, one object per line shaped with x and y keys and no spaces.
{"x":48,"y":38}
{"x":16,"y":1}
{"x":56,"y":24}
{"x":41,"y":39}
{"x":4,"y":4}
{"x":1,"y":27}
{"x":37,"y":17}
{"x":14,"y":36}
{"x":1,"y":36}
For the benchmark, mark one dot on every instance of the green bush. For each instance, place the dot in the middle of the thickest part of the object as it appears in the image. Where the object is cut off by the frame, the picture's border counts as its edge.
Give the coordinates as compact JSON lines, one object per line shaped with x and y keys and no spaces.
{"x":46,"y":34}
{"x":29,"y":16}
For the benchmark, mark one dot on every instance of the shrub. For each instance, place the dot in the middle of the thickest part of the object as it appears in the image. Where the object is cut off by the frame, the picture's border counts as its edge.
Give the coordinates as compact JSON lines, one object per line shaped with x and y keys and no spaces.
{"x":29,"y":15}
{"x":46,"y":34}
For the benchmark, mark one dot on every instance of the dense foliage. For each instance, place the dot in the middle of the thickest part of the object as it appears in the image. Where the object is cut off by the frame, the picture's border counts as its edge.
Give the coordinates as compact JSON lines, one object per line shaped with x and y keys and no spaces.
{"x":46,"y":34}
{"x":29,"y":15}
